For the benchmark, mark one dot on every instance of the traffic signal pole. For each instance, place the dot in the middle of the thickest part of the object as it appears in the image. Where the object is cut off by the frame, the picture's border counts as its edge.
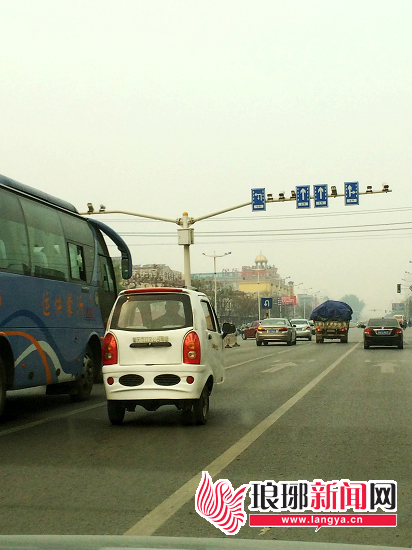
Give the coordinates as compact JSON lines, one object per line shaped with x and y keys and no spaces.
{"x":186,"y":233}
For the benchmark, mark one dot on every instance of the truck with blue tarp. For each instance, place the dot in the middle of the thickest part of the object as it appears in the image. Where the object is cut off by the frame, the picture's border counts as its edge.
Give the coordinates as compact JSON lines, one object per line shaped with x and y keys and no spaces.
{"x":331,"y":320}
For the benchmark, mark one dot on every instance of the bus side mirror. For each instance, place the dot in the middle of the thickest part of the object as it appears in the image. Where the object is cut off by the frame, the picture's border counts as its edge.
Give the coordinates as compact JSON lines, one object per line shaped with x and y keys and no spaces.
{"x":125,"y":269}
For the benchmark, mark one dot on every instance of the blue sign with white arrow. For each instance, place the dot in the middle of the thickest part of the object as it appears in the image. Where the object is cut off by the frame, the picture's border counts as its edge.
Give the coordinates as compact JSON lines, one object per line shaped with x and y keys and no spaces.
{"x":302,"y":196}
{"x":352,"y":192}
{"x":266,"y":303}
{"x":258,"y":199}
{"x":320,"y":195}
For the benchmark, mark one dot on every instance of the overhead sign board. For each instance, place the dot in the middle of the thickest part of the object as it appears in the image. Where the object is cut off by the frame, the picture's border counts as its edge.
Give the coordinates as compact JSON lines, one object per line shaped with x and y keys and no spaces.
{"x":302,"y":196}
{"x":352,"y":192}
{"x":320,"y":195}
{"x":258,"y":199}
{"x":266,"y":303}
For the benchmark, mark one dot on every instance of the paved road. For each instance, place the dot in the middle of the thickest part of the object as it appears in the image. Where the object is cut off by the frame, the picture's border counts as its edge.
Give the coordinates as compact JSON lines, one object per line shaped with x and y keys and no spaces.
{"x":330,"y":411}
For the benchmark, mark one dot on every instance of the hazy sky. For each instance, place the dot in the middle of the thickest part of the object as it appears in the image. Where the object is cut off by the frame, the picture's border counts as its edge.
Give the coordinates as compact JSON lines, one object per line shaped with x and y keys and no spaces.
{"x":164,"y":106}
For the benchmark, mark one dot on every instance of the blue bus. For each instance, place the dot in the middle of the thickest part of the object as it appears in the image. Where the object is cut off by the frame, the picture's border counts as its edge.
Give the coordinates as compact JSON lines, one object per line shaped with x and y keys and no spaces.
{"x":57,"y":287}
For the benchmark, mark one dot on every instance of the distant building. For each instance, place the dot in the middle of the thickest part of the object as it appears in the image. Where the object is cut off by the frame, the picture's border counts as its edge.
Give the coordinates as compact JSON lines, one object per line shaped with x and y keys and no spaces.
{"x":260,"y":278}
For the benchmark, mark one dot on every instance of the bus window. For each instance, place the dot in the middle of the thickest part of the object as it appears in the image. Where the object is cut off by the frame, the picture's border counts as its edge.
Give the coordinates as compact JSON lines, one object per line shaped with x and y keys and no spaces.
{"x":14,"y":251}
{"x":46,"y":241}
{"x":77,"y":267}
{"x":78,"y":231}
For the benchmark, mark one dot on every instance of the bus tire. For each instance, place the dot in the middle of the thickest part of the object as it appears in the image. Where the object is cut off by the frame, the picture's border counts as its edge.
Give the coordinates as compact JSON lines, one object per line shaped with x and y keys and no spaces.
{"x":3,"y":382}
{"x":84,"y":385}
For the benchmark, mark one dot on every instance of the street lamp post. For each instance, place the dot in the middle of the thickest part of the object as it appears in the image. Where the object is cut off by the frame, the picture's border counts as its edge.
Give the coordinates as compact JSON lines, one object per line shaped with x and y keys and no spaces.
{"x":304,"y":301}
{"x":280,"y":291}
{"x":214,"y":256}
{"x":294,"y":287}
{"x":259,"y":269}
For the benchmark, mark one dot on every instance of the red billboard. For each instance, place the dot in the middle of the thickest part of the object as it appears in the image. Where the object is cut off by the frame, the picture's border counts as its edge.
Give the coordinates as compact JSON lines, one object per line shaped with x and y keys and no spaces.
{"x":288,"y":300}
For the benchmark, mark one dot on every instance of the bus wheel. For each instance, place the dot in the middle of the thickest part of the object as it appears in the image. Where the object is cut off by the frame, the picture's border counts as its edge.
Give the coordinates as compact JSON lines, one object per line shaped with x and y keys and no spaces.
{"x":2,"y":386}
{"x":84,"y":385}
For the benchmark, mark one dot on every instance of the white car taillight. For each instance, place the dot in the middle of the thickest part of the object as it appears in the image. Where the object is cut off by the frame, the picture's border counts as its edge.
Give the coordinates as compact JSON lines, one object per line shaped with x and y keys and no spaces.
{"x":109,"y":350}
{"x":191,"y":349}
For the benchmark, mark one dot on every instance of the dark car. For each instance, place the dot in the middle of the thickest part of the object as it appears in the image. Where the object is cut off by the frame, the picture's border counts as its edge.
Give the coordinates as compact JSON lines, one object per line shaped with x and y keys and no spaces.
{"x":383,"y":332}
{"x":250,"y":330}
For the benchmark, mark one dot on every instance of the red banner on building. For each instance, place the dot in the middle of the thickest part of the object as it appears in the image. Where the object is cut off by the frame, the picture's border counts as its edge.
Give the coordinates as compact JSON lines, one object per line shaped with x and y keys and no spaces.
{"x":288,"y":300}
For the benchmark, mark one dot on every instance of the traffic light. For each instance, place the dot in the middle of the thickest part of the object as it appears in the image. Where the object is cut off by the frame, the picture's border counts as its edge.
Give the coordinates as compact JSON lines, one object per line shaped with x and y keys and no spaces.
{"x":398,"y":288}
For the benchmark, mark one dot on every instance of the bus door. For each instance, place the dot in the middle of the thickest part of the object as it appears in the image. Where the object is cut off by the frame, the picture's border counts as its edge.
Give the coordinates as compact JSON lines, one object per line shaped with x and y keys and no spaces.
{"x":106,"y":281}
{"x":106,"y":286}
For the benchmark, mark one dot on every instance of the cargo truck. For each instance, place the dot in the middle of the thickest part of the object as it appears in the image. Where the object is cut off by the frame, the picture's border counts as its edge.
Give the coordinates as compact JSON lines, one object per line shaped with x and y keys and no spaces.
{"x":331,"y":320}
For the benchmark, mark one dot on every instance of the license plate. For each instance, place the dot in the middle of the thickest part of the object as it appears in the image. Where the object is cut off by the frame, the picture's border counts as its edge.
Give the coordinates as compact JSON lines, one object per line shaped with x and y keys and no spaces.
{"x":273,"y":330}
{"x":149,"y":339}
{"x":382,"y":332}
{"x":299,"y":329}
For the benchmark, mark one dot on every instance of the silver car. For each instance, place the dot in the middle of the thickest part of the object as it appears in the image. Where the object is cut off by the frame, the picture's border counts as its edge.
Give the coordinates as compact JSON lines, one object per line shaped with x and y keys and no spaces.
{"x":303,"y":328}
{"x":275,"y":330}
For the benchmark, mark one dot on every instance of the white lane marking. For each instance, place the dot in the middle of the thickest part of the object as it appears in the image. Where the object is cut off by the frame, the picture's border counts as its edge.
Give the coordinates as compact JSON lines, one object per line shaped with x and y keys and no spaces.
{"x":311,"y":361}
{"x":280,"y":367}
{"x":166,"y":509}
{"x":387,"y":368}
{"x":367,"y":361}
{"x":257,"y":358}
{"x":49,"y":419}
{"x":249,"y":361}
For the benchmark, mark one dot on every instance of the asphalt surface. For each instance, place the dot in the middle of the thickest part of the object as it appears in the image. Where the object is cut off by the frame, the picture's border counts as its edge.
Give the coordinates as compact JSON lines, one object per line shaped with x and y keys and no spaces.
{"x":331,"y":411}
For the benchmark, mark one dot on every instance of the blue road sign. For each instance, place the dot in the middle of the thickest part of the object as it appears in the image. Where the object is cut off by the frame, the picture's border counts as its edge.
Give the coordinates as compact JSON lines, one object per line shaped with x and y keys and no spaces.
{"x":266,"y":303}
{"x":302,"y":196}
{"x":258,"y":199}
{"x":352,"y":192}
{"x":320,"y":194}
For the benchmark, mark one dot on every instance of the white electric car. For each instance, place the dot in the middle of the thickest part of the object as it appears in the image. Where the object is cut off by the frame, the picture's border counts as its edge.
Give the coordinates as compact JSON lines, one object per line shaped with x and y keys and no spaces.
{"x":163,"y":346}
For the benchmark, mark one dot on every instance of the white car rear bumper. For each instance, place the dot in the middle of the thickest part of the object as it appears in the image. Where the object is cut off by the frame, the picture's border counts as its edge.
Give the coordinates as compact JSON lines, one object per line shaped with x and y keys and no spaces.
{"x":157,"y":382}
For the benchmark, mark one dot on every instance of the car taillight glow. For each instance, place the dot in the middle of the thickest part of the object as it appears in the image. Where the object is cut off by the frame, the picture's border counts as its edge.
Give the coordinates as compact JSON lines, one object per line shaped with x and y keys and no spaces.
{"x":283,"y":329}
{"x":343,"y":329}
{"x":109,"y":350}
{"x":319,"y":329}
{"x":190,"y":379}
{"x":191,"y":349}
{"x":260,"y":328}
{"x":398,"y":331}
{"x":110,"y":380}
{"x":368,"y":331}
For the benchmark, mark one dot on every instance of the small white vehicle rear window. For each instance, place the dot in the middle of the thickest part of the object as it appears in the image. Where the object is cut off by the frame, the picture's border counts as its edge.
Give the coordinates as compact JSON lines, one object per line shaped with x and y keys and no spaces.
{"x":151,"y":312}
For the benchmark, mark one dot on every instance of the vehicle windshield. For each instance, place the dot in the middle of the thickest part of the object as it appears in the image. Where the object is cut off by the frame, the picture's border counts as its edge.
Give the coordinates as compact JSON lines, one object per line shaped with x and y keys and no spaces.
{"x":274,"y":322}
{"x":152,"y":312}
